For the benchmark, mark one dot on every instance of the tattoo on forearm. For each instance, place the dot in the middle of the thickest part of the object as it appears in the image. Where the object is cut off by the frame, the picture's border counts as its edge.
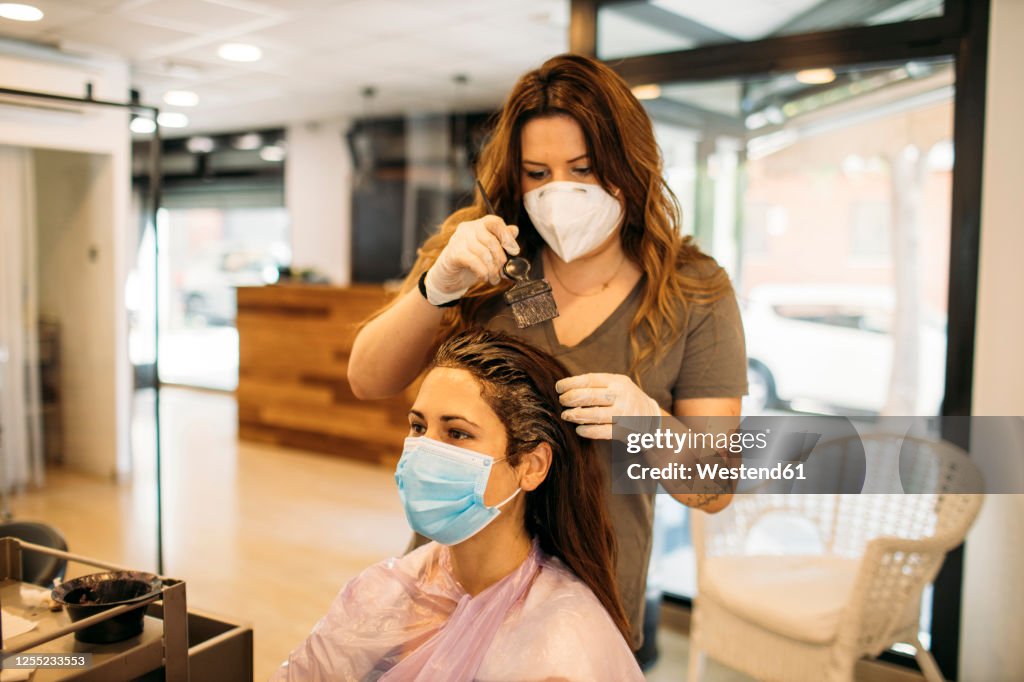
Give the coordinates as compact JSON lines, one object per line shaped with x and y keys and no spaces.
{"x":714,"y":489}
{"x":705,"y":499}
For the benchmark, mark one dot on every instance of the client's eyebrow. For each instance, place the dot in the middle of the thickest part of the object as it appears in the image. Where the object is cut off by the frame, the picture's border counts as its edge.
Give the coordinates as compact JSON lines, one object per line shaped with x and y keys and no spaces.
{"x":455,"y":417}
{"x":444,"y":417}
{"x":538,"y":163}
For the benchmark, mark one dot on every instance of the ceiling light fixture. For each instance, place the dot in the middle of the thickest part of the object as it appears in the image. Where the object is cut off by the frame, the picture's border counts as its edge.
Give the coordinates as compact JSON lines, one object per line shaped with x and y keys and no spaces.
{"x":142,"y":125}
{"x":200,"y":144}
{"x":248,"y":142}
{"x":648,"y":91}
{"x":773,"y":114}
{"x":816,"y":76}
{"x":272,"y":153}
{"x":172,"y":119}
{"x":239,"y":52}
{"x":19,"y":12}
{"x":756,"y":120}
{"x":181,"y":98}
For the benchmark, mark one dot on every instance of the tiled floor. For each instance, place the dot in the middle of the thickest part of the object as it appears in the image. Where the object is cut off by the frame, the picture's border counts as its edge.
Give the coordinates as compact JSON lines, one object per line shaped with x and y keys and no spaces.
{"x":260,"y":534}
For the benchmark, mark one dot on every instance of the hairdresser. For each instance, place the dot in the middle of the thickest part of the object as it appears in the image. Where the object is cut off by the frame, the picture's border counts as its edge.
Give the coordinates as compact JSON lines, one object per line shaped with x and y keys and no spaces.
{"x":647,"y":324}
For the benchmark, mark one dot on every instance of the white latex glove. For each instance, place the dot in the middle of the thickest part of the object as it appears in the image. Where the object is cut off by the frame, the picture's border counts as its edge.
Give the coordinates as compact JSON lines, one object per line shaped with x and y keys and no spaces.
{"x":595,"y":398}
{"x":474,"y":254}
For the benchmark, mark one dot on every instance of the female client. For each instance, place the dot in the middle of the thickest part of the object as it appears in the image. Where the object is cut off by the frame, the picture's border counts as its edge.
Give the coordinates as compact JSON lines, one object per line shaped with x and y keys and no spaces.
{"x":518,"y":582}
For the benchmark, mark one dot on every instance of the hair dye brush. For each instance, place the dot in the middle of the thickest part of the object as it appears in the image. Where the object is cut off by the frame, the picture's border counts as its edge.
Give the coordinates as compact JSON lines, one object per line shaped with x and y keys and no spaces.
{"x":530,"y":299}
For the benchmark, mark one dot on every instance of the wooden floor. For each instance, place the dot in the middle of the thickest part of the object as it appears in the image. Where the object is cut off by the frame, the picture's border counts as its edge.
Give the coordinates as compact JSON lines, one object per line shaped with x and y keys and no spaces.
{"x":261,"y":534}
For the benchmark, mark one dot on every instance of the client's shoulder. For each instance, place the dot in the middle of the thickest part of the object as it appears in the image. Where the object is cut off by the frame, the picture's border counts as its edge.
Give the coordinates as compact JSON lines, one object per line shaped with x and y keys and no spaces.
{"x":564,"y":632}
{"x":564,"y":597}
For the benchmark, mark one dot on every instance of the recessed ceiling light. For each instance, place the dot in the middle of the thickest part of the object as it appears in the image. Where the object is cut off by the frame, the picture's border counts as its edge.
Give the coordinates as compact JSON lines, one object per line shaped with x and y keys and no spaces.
{"x":272,"y":153}
{"x":248,"y":142}
{"x":649,"y":91}
{"x":816,"y":76}
{"x":172,"y":119}
{"x":19,"y":12}
{"x":756,"y":120}
{"x":181,"y":98}
{"x":142,"y":125}
{"x":200,"y":144}
{"x":774,"y":115}
{"x":239,"y":52}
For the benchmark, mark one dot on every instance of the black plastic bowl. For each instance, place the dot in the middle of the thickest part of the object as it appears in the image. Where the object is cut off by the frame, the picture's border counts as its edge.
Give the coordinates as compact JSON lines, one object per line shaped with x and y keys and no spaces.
{"x":98,"y":592}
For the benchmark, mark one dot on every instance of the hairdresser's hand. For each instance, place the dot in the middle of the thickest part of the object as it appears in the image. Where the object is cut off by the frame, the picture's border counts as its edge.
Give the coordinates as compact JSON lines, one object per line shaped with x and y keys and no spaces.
{"x":475,"y":253}
{"x":595,"y":398}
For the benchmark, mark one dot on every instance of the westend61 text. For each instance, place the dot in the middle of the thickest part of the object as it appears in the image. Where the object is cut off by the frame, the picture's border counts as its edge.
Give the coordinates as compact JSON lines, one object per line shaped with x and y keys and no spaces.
{"x":783,"y":471}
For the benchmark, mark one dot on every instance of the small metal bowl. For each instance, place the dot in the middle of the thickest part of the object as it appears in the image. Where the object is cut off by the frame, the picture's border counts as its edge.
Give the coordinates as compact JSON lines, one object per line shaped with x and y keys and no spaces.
{"x":98,"y":592}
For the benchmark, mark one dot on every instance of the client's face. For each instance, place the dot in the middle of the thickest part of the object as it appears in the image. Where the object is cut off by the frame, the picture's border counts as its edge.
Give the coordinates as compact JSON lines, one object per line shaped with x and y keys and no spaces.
{"x":450,"y":409}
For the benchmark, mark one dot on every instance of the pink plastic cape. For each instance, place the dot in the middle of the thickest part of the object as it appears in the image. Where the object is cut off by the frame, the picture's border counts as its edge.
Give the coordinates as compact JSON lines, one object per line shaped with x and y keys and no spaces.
{"x":409,"y":619}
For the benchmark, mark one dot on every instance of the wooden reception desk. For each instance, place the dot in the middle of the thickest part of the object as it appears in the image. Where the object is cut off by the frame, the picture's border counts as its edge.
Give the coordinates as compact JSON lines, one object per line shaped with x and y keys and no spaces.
{"x":294,"y":343}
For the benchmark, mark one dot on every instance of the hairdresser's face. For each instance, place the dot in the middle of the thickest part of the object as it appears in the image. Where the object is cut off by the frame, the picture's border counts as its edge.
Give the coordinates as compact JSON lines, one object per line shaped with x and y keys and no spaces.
{"x":554,"y":149}
{"x":450,"y":409}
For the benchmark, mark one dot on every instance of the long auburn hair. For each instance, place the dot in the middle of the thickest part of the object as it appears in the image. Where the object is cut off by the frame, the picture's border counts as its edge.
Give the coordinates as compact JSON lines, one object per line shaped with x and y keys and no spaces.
{"x":567,"y":512}
{"x":623,"y":154}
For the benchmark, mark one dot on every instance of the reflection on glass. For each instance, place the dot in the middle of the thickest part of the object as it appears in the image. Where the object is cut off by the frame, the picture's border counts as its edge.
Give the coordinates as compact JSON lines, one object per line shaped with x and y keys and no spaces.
{"x":829,"y":204}
{"x":640,"y":27}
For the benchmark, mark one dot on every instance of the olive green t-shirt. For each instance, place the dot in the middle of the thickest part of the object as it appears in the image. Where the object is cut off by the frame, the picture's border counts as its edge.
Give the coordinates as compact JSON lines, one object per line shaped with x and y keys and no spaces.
{"x":707,"y":361}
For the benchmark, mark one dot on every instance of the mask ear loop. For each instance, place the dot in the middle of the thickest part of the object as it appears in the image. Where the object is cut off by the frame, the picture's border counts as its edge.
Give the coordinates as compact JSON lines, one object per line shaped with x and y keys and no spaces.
{"x":509,"y":498}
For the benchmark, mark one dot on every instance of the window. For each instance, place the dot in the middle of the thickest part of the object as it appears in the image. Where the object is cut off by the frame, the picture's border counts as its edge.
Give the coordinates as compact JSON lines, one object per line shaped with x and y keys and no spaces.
{"x":210,"y":252}
{"x":870,"y":231}
{"x":627,"y":29}
{"x":762,"y":222}
{"x":819,"y":171}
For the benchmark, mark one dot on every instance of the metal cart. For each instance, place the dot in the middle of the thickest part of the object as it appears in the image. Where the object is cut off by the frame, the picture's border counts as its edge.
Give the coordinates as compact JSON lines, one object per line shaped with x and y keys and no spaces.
{"x":166,"y":649}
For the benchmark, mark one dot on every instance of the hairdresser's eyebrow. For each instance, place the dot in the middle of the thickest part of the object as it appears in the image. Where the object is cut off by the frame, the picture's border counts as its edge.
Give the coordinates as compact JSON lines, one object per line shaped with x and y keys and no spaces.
{"x":538,"y":163}
{"x":444,"y":418}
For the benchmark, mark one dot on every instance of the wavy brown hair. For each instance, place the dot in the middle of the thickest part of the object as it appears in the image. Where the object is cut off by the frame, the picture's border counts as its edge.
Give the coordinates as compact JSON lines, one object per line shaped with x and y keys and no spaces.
{"x":624,"y":155}
{"x":567,"y":512}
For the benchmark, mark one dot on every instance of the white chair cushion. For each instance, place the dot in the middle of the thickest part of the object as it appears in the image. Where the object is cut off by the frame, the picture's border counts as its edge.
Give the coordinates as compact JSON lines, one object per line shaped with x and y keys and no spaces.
{"x":799,"y":596}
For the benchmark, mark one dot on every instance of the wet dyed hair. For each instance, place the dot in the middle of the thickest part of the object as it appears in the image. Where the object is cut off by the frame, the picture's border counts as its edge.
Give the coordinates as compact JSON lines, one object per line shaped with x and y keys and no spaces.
{"x":567,"y":512}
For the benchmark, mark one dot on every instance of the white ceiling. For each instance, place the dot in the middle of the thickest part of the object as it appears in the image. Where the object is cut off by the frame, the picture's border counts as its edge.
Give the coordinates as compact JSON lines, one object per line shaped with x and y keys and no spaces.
{"x":318,"y":55}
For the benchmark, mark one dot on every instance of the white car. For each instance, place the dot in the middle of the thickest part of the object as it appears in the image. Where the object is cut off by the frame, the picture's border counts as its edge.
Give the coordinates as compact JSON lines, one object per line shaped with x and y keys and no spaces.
{"x":830,"y":348}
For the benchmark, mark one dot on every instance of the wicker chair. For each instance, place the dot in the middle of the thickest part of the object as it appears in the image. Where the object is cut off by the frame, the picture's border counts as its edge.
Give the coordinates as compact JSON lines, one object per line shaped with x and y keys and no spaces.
{"x":811,"y":616}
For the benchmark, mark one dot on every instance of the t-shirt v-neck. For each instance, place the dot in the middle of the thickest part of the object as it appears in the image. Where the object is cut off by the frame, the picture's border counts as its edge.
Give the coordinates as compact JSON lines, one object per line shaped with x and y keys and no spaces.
{"x":555,"y":346}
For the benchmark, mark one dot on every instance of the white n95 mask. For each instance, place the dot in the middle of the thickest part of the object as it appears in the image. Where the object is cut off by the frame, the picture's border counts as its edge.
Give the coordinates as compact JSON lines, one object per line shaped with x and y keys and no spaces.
{"x":574,"y":218}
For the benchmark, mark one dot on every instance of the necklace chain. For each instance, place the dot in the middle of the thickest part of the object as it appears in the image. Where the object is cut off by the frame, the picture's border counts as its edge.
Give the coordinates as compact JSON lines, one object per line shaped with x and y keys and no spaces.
{"x":604,"y":286}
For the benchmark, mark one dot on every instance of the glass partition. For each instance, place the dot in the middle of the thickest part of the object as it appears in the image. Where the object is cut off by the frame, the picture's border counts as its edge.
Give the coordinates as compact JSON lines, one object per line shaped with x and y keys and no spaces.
{"x":829,"y":204}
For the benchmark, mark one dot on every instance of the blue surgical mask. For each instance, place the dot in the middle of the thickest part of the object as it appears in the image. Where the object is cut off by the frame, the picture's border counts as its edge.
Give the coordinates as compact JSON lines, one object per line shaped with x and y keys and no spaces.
{"x":442,"y":489}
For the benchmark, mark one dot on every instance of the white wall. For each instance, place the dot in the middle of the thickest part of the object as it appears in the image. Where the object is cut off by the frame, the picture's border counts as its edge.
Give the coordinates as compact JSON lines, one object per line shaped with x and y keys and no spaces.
{"x":992,"y":628}
{"x":318,"y":194}
{"x":99,"y":346}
